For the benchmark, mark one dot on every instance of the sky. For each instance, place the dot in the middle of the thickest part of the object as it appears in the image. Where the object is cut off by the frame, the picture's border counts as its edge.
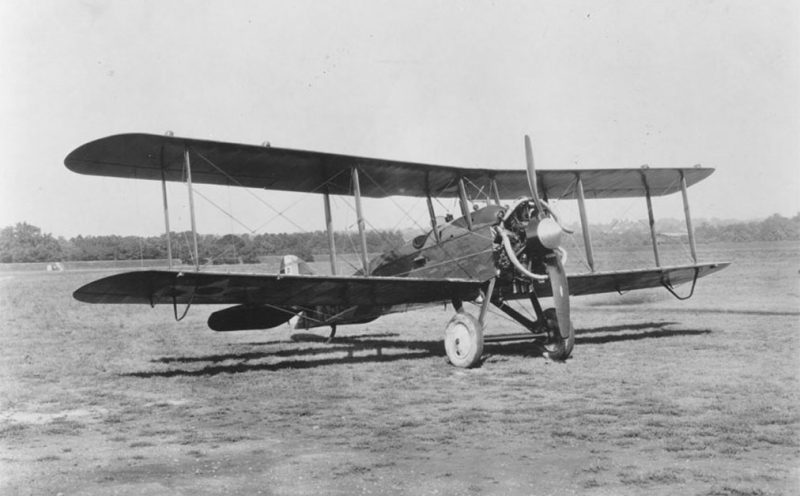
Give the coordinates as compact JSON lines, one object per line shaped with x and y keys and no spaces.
{"x":596,"y":84}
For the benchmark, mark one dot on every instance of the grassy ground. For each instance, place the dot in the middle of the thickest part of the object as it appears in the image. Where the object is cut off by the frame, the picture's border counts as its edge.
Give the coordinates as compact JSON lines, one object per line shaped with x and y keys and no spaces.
{"x":660,"y":397}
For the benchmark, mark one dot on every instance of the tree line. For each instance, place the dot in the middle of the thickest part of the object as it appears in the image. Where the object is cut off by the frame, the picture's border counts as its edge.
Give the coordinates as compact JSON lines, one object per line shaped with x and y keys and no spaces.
{"x":27,"y":243}
{"x":669,"y":231}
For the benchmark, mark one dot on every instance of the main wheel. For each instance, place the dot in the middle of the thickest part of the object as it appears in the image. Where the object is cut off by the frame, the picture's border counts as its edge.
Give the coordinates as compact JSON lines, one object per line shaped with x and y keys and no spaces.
{"x":556,"y":347}
{"x":463,"y":340}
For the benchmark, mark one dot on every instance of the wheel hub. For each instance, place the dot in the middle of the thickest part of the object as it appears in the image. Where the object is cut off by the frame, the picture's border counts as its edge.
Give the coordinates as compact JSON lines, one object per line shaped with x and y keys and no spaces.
{"x":461,"y":339}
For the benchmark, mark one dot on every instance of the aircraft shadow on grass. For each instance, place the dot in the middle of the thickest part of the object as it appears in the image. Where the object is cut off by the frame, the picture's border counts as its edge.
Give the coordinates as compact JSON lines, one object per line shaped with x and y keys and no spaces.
{"x":375,"y":344}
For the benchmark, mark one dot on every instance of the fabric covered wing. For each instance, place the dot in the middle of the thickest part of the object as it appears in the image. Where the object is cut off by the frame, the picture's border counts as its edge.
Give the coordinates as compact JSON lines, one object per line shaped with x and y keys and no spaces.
{"x":147,"y":156}
{"x":627,"y":280}
{"x":154,"y":286}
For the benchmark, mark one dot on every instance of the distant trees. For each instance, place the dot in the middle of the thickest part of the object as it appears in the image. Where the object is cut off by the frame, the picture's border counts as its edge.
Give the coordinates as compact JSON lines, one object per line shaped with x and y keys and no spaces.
{"x":630,"y":233}
{"x":27,"y":243}
{"x":774,"y":228}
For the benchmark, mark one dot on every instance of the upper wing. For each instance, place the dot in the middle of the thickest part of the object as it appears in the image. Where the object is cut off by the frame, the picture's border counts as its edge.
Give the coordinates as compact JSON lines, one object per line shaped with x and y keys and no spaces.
{"x":147,"y":156}
{"x":157,"y":286}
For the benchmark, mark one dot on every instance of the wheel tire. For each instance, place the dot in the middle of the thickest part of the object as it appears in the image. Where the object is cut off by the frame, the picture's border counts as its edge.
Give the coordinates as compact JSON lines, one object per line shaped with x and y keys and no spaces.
{"x":463,"y":340}
{"x":556,"y":347}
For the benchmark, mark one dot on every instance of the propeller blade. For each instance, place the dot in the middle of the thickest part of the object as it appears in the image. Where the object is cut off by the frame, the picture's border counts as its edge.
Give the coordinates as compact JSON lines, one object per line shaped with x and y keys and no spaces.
{"x":532,"y":174}
{"x":558,"y":281}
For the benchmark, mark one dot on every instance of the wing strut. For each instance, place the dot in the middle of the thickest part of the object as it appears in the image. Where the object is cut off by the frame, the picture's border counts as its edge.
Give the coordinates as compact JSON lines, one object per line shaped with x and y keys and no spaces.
{"x":688,"y":215}
{"x":432,"y":214}
{"x":360,"y":216}
{"x":587,"y":238}
{"x":462,"y":196}
{"x":191,"y":205}
{"x":326,"y":198}
{"x":495,"y":192}
{"x":166,"y":208}
{"x":431,"y":211}
{"x":487,"y":298}
{"x":650,"y":217}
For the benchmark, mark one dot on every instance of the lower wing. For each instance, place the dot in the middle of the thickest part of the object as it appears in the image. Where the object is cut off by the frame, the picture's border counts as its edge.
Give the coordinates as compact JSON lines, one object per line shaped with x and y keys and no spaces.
{"x":173,"y":287}
{"x":157,"y":286}
{"x":266,"y":300}
{"x":627,"y":280}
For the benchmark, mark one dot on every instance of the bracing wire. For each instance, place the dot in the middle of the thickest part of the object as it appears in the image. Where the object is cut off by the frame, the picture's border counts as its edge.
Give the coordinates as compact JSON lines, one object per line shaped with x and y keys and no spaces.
{"x":396,"y":204}
{"x":228,"y":214}
{"x":349,"y":238}
{"x":299,"y":200}
{"x":188,"y":246}
{"x":238,"y":183}
{"x":375,"y":229}
{"x":278,"y":213}
{"x":479,"y":191}
{"x":139,"y":237}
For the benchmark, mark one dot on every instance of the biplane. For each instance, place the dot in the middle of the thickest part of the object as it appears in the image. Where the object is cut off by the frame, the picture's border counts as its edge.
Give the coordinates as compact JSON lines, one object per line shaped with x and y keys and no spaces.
{"x":491,"y":255}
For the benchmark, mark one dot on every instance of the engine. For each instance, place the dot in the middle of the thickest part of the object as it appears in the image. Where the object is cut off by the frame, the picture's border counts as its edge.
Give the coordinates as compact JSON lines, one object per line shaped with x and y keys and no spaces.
{"x":527,"y":236}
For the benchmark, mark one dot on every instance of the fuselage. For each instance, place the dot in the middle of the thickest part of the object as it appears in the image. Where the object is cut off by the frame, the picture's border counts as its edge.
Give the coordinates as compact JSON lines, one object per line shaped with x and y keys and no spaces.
{"x":459,"y":253}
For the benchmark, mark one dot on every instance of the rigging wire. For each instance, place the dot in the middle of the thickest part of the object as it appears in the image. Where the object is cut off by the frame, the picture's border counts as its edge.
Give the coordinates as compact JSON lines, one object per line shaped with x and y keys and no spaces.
{"x":139,"y":237}
{"x":396,"y":203}
{"x":189,"y":249}
{"x":349,"y":238}
{"x":238,"y":183}
{"x":479,"y":191}
{"x":228,"y":214}
{"x":380,"y":233}
{"x":300,"y":200}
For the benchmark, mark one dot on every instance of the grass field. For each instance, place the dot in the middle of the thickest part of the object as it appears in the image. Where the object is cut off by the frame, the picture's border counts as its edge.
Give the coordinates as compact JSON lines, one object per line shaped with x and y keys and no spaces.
{"x":660,"y":397}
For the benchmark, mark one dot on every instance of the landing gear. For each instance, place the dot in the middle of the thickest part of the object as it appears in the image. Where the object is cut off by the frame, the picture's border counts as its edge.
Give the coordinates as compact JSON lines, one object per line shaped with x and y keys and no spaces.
{"x":463,"y":336}
{"x":463,"y":340}
{"x":332,"y":335}
{"x":557,"y":347}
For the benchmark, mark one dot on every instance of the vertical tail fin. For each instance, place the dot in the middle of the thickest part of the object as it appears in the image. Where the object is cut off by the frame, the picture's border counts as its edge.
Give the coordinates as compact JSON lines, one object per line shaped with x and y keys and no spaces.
{"x":294,"y":265}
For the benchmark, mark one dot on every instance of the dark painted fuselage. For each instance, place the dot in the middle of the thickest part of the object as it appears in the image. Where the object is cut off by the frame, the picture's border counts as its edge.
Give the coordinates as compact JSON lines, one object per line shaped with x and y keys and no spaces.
{"x":460,"y":253}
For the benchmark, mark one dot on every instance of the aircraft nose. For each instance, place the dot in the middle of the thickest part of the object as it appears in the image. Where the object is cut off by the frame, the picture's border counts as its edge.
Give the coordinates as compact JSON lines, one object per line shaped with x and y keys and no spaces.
{"x":543,"y":234}
{"x":549,"y":233}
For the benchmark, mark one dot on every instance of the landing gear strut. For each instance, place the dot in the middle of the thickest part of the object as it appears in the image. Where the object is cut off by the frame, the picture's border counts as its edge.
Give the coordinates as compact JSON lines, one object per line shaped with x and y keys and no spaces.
{"x":332,"y":335}
{"x":463,"y":336}
{"x":556,"y":346}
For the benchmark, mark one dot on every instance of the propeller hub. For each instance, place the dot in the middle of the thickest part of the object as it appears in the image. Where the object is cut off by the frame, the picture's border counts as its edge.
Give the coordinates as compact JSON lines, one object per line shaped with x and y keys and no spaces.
{"x":543,"y":234}
{"x":549,"y":233}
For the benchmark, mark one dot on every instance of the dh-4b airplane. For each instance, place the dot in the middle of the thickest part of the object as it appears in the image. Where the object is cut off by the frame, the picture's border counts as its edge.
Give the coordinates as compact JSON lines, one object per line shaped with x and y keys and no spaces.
{"x":490,"y":255}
